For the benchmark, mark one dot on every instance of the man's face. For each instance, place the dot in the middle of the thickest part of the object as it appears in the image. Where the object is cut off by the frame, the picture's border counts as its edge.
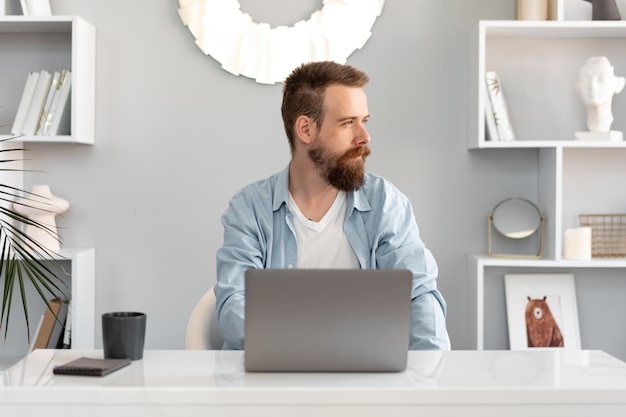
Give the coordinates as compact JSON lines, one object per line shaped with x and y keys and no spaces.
{"x":340,"y":146}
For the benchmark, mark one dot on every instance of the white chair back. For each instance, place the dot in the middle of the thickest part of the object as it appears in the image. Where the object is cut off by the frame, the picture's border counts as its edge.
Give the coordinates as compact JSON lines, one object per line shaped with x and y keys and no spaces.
{"x":202,"y":329}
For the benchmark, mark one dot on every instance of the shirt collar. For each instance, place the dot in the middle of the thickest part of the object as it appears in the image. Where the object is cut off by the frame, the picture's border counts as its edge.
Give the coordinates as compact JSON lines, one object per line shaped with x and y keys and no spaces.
{"x":355,"y":199}
{"x":281,"y":195}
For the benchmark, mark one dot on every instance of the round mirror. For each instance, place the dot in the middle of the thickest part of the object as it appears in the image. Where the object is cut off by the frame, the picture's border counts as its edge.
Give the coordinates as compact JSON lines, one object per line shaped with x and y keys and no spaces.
{"x":516,"y":218}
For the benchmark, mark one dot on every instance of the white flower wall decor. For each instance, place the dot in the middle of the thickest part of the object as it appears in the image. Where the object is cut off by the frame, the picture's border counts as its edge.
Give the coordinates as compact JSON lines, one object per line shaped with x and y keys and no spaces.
{"x":268,"y":54}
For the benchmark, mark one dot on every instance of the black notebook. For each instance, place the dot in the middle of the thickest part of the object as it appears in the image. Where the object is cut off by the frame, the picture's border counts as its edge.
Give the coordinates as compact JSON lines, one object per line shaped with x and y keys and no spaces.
{"x":90,"y":366}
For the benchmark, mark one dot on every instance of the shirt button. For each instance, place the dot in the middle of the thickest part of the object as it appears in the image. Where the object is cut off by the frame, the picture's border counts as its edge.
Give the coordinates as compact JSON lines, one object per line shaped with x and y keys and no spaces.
{"x":289,"y":266}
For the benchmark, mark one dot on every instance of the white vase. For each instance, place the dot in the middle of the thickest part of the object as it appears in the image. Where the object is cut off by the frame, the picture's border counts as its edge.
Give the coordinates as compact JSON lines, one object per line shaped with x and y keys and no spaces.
{"x":42,"y":207}
{"x":532,"y":9}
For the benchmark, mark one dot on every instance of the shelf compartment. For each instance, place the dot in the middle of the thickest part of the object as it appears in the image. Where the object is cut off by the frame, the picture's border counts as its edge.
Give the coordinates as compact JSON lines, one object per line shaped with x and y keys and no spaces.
{"x":50,"y":43}
{"x":538,"y":65}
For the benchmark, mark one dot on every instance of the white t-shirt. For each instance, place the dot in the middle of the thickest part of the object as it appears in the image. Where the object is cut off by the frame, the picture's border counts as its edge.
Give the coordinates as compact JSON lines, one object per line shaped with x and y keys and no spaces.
{"x":323,"y":244}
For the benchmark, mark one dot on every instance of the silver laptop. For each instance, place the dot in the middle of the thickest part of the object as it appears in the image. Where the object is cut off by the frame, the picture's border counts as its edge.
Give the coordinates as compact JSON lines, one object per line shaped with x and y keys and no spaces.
{"x":322,"y":320}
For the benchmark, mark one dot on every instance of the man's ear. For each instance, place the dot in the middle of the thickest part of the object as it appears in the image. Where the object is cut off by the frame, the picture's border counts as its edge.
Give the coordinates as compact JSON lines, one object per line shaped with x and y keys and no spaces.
{"x":304,"y":129}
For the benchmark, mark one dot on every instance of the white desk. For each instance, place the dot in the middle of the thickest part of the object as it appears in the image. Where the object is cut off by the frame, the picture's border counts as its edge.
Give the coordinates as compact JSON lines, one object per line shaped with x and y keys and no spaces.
{"x":214,"y":383}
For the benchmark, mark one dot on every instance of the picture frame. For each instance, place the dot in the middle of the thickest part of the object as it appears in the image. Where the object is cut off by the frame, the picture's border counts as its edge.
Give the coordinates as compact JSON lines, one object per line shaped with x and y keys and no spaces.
{"x":542,"y":311}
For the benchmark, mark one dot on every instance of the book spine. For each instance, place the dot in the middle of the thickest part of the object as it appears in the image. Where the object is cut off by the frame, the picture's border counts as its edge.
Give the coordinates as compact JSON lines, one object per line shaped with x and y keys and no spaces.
{"x":45,"y":331}
{"x":37,"y":103}
{"x":59,"y":108}
{"x":27,"y":96}
{"x":500,"y":110}
{"x":46,"y":108}
{"x":491,"y":131}
{"x":56,"y":337}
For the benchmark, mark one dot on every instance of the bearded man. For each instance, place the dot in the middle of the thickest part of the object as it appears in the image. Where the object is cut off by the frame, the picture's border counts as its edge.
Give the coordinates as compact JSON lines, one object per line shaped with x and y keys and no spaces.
{"x":323,"y":210}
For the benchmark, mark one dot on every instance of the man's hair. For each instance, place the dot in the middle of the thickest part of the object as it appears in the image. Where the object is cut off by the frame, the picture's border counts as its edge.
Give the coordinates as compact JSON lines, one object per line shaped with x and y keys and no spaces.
{"x":304,"y":89}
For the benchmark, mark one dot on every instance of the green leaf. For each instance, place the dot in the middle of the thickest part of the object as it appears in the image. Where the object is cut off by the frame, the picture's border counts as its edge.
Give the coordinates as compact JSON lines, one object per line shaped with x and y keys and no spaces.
{"x":22,"y":259}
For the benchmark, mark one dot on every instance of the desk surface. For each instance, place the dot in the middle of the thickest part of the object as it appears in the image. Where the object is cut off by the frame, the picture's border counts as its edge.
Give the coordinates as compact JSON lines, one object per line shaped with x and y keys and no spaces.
{"x":488,"y":382}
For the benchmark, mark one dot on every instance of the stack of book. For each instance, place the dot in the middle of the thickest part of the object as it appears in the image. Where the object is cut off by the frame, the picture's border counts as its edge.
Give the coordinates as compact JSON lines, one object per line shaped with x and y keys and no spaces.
{"x":45,"y":105}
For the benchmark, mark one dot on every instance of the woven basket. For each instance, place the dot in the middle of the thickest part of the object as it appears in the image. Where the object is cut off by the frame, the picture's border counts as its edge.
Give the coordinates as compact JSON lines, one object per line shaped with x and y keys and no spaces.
{"x":608,"y":234}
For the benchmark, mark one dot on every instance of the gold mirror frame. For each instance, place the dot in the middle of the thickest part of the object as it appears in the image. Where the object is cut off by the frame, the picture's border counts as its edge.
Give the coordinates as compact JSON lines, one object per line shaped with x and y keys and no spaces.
{"x":522,"y":235}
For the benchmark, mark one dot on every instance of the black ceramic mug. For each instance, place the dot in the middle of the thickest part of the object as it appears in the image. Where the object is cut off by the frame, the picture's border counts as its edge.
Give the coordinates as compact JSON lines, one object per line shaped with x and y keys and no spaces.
{"x":123,"y":335}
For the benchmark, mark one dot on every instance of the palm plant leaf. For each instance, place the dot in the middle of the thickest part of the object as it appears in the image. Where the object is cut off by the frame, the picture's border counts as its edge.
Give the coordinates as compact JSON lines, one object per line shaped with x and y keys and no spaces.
{"x":22,"y":259}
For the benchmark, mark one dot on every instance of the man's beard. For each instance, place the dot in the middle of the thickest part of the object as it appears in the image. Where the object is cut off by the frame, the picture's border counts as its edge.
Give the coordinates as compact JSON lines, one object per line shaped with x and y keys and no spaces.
{"x":344,"y":172}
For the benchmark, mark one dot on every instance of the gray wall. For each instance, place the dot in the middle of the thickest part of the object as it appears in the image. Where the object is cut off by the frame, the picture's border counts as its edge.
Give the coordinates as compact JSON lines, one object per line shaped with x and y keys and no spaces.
{"x":176,"y":136}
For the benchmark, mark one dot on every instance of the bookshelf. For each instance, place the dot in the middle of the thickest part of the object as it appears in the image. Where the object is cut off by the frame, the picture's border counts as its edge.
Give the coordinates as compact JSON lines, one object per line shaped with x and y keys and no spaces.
{"x":51,"y":43}
{"x":538,"y":63}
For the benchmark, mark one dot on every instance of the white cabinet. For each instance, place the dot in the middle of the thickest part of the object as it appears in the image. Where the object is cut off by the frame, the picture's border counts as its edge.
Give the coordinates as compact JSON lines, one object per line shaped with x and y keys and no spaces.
{"x":538,"y":63}
{"x":50,"y":43}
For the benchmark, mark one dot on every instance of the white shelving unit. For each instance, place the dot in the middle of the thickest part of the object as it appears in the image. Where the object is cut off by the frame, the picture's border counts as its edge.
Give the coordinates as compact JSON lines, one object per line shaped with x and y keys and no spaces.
{"x":51,"y":43}
{"x":538,"y":62}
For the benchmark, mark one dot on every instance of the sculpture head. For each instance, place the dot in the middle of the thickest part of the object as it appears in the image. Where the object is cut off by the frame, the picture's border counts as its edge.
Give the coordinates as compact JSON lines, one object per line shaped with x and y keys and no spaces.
{"x":596,"y":85}
{"x":597,"y":82}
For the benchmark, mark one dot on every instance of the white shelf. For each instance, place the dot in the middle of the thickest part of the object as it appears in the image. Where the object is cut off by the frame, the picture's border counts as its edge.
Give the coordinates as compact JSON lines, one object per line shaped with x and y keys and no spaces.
{"x":549,"y":144}
{"x":44,"y":139}
{"x":487,"y":261}
{"x":538,"y":62}
{"x":50,"y":43}
{"x":553,"y":28}
{"x":42,"y":24}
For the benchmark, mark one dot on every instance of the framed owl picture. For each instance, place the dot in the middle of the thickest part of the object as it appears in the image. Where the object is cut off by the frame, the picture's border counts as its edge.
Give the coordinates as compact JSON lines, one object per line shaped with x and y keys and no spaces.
{"x":541,"y":311}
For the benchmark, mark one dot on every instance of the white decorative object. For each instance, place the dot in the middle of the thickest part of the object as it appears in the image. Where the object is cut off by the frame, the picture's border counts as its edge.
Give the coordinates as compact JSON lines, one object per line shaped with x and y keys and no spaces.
{"x":576,"y":10}
{"x":42,"y":207}
{"x":268,"y":54}
{"x":610,"y":136}
{"x":596,"y":85}
{"x":577,"y":243}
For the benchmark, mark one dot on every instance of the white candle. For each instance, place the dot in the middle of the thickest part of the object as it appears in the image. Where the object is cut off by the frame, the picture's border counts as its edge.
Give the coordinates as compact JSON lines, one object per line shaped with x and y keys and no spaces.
{"x":577,"y":243}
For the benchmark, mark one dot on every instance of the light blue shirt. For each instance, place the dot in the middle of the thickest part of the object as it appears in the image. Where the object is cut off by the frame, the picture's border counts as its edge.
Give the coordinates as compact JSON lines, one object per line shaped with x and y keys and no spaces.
{"x":259,"y":233}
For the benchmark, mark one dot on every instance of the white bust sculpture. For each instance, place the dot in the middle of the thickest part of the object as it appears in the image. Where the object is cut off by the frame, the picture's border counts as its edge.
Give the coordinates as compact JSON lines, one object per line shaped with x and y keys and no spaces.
{"x":596,"y":85}
{"x":42,"y":207}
